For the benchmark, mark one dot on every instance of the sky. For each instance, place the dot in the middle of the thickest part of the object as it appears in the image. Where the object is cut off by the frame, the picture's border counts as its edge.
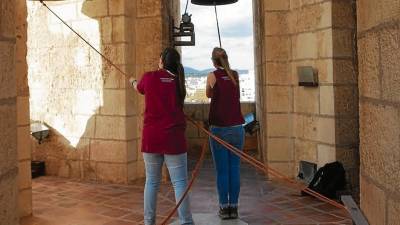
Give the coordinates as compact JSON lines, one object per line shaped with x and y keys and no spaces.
{"x":236,"y":25}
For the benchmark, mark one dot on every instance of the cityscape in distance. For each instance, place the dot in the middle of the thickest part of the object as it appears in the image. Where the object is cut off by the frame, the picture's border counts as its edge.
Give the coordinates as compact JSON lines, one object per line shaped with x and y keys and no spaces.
{"x":196,"y":85}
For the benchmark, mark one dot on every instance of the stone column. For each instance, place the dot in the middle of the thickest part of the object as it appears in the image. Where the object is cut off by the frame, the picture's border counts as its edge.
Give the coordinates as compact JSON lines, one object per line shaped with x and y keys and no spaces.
{"x":379,"y":79}
{"x":8,"y":116}
{"x":23,"y":121}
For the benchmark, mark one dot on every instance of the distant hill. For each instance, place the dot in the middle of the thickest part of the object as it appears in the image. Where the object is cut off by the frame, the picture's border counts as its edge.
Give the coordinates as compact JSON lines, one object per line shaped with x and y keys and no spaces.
{"x":191,"y":72}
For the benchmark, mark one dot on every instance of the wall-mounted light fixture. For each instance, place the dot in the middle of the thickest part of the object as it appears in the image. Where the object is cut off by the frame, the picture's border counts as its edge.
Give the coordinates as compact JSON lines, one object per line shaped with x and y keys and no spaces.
{"x":308,"y":76}
{"x":39,"y":131}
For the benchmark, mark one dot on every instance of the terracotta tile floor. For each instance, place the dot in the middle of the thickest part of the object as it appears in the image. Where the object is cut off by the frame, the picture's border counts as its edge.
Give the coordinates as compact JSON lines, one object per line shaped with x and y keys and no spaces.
{"x":59,"y":201}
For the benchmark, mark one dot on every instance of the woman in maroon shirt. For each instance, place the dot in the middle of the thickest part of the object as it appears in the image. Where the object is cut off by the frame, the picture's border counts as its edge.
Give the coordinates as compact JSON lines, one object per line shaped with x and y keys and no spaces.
{"x":226,"y":122}
{"x":163,"y":138}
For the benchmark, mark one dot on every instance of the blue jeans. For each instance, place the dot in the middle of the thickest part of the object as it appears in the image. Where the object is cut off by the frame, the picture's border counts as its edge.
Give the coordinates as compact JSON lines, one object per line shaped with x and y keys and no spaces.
{"x":227,"y":164}
{"x":177,"y":167}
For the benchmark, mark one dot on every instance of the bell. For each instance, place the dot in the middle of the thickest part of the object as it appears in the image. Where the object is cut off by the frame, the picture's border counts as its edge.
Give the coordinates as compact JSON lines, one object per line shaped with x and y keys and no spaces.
{"x":213,"y":2}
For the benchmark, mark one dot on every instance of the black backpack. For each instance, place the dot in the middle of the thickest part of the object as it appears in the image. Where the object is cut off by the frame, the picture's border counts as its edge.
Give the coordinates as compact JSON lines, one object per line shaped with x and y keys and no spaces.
{"x":328,"y":180}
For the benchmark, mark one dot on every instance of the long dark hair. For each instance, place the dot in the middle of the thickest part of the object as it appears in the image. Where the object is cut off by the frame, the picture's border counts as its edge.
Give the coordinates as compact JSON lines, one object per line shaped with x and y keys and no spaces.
{"x":220,"y":58}
{"x":171,"y":59}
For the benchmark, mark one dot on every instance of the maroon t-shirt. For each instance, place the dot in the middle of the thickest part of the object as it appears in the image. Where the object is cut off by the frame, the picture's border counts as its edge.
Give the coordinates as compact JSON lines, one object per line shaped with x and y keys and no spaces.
{"x":164,"y":120}
{"x":225,"y":108}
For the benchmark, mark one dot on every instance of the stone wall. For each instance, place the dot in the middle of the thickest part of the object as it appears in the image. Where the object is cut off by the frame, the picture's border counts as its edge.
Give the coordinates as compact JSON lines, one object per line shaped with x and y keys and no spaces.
{"x":318,"y":124}
{"x":94,"y":115}
{"x":23,"y":137}
{"x":8,"y":116}
{"x":379,"y":79}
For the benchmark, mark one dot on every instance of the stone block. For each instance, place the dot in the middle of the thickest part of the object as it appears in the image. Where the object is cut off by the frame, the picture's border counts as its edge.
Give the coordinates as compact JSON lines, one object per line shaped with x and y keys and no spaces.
{"x":117,"y":53}
{"x":24,"y":175}
{"x":114,"y":173}
{"x":305,"y":151}
{"x":95,"y":8}
{"x":109,"y":151}
{"x":279,"y":99}
{"x":312,"y":17}
{"x":393,"y":212}
{"x":279,"y":125}
{"x":278,"y":73}
{"x":89,"y":170}
{"x":25,"y":203}
{"x":24,"y":143}
{"x":343,"y":14}
{"x":276,"y":5}
{"x":371,"y":13}
{"x":111,"y":127}
{"x":326,"y":130}
{"x":368,"y":57}
{"x":106,"y":30}
{"x":327,"y":100}
{"x":325,"y":43}
{"x":390,"y":53}
{"x":373,"y":202}
{"x":379,"y":138}
{"x":114,"y":102}
{"x":148,"y":8}
{"x":8,"y":196}
{"x":118,"y":7}
{"x":310,"y":127}
{"x":23,"y":111}
{"x":346,"y":100}
{"x":305,"y":46}
{"x":113,"y":78}
{"x":277,"y":48}
{"x":326,"y":154}
{"x":325,"y":70}
{"x":276,"y":23}
{"x":133,"y":150}
{"x":119,"y":29}
{"x":349,"y":157}
{"x":8,"y":137}
{"x":306,"y":100}
{"x":7,"y":70}
{"x":343,"y":43}
{"x":280,"y":149}
{"x":136,"y":171}
{"x":7,"y":22}
{"x":344,"y":71}
{"x":21,"y":73}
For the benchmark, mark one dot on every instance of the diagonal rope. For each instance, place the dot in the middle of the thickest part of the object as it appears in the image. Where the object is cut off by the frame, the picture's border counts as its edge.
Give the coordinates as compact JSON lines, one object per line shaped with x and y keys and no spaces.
{"x":254,"y":162}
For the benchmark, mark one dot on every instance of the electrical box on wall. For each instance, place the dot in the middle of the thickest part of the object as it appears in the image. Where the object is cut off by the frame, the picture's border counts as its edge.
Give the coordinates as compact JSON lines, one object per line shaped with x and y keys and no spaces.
{"x":308,"y":76}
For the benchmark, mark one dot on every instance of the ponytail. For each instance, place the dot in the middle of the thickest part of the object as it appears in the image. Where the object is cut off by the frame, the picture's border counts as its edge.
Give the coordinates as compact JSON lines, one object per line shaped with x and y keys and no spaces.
{"x":172,"y":61}
{"x":220,"y":58}
{"x":180,"y":83}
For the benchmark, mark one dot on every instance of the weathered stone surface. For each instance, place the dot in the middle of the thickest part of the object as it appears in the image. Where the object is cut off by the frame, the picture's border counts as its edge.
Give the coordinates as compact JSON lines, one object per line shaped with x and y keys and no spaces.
{"x":114,"y":173}
{"x":276,"y":23}
{"x":343,"y":14}
{"x":118,"y":7}
{"x":393,"y":212}
{"x":372,"y":13}
{"x":279,"y":99}
{"x":305,"y":46}
{"x":343,"y":42}
{"x":345,"y":99}
{"x":119,"y":29}
{"x":24,"y":175}
{"x":310,"y":18}
{"x":96,"y":8}
{"x":25,"y":203}
{"x":7,"y":70}
{"x":283,"y":167}
{"x":108,"y":151}
{"x":280,"y":149}
{"x":148,"y":8}
{"x":390,"y":53}
{"x":373,"y":202}
{"x":278,"y":73}
{"x":379,"y":143}
{"x":8,"y":137}
{"x":305,"y":151}
{"x":7,"y":22}
{"x":326,"y":154}
{"x":327,"y":100}
{"x":369,"y":66}
{"x":306,"y":100}
{"x":277,"y":48}
{"x":24,"y":143}
{"x":276,"y":5}
{"x":279,"y":125}
{"x":325,"y":43}
{"x":8,"y":190}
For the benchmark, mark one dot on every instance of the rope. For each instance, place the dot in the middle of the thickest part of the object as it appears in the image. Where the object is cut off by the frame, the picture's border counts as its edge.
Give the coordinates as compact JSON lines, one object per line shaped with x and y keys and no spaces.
{"x":195,"y":174}
{"x":254,"y":162}
{"x":216,"y":18}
